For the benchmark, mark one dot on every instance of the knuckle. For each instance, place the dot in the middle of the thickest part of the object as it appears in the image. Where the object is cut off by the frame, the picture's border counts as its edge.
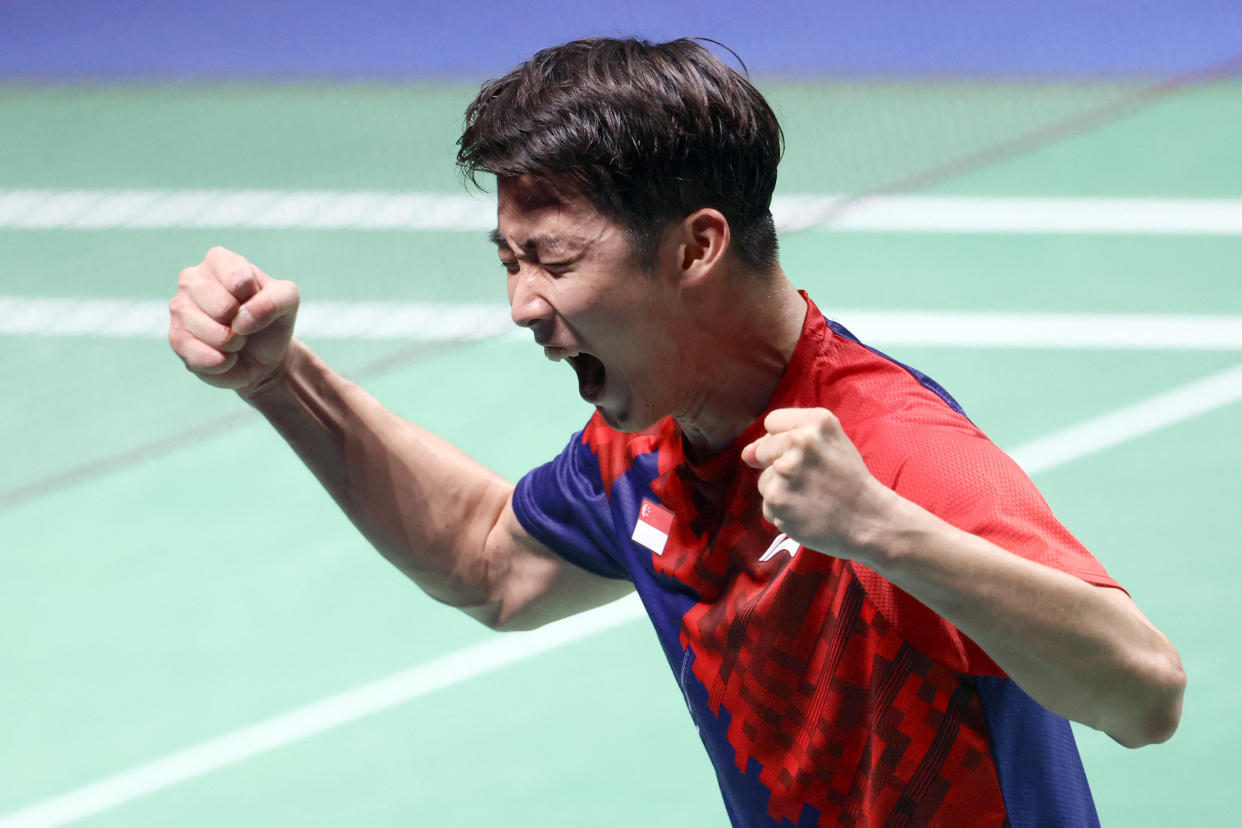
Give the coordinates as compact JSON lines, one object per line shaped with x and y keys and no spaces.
{"x":231,"y":342}
{"x":787,"y":463}
{"x":217,"y":364}
{"x":776,"y":495}
{"x":221,"y":310}
{"x":195,"y":365}
{"x":240,"y":276}
{"x":212,"y":333}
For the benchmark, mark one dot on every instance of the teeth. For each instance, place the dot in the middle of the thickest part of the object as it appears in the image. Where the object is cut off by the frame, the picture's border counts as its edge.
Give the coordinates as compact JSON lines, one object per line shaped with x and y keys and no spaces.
{"x":558,"y":354}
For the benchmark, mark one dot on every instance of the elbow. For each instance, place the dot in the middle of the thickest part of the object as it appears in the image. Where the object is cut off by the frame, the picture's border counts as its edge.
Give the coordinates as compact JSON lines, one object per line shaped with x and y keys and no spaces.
{"x":506,"y":616}
{"x":1157,"y":720}
{"x":495,"y":617}
{"x":524,"y":622}
{"x":1167,"y":715}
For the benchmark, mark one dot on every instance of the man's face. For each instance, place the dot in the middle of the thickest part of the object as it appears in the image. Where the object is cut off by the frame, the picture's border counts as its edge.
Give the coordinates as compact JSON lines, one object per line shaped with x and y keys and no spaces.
{"x":575,"y":283}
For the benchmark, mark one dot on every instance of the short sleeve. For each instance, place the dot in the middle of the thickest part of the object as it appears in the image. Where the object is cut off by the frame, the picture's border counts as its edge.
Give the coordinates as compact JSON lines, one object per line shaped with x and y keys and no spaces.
{"x":562,"y":504}
{"x":959,"y":475}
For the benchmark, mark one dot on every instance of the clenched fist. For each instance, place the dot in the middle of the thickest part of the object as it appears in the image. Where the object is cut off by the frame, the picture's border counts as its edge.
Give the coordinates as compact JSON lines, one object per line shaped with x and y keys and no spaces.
{"x":231,"y":323}
{"x":815,"y":486}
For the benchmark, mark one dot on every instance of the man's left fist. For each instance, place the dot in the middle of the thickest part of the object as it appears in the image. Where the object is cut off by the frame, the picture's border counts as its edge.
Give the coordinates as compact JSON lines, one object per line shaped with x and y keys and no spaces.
{"x":815,"y":486}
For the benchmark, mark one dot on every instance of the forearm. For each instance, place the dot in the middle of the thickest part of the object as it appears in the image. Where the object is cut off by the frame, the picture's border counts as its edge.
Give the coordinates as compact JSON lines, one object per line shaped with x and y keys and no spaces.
{"x":421,"y":502}
{"x":1082,"y":651}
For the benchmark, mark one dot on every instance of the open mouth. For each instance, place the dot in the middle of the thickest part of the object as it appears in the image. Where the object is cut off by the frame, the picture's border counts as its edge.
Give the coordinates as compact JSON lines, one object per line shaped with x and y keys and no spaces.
{"x":590,"y":373}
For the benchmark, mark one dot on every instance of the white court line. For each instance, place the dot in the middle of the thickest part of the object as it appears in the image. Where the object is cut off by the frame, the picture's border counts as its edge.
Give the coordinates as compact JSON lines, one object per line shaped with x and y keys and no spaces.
{"x":995,"y":329}
{"x":319,"y":716}
{"x":445,"y":322}
{"x":1133,"y":421}
{"x":1056,"y":449}
{"x":1005,"y":214}
{"x":465,"y":212}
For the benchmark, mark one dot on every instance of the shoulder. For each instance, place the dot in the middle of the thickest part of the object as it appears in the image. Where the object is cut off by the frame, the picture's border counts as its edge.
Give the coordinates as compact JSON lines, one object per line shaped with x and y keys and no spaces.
{"x":890,"y":410}
{"x":914,"y":436}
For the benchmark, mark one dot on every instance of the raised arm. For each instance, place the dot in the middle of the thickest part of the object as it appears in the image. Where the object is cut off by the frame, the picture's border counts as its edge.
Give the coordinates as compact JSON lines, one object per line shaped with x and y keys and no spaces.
{"x":1084,"y":652}
{"x":440,"y":517}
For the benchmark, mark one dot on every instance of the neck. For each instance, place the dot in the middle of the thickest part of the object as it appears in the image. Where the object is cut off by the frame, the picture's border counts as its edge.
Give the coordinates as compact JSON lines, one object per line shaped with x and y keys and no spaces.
{"x":749,"y":333}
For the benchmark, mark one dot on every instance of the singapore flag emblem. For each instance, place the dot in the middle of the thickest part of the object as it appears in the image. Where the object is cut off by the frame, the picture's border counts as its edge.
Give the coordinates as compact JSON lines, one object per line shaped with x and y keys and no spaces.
{"x":653,"y":525}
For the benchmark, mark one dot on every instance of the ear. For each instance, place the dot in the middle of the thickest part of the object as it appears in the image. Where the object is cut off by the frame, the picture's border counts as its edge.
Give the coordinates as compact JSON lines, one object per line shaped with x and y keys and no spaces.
{"x":702,"y":239}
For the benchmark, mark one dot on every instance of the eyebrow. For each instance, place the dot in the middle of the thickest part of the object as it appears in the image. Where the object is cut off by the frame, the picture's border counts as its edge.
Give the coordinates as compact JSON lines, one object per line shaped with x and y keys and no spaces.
{"x":551,"y":244}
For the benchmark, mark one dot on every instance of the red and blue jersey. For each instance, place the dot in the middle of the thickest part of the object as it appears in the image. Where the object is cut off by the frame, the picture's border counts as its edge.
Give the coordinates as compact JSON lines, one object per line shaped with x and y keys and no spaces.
{"x":824,"y":694}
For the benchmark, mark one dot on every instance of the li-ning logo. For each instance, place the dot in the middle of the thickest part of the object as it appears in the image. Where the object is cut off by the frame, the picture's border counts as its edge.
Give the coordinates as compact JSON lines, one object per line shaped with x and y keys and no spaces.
{"x":782,"y":543}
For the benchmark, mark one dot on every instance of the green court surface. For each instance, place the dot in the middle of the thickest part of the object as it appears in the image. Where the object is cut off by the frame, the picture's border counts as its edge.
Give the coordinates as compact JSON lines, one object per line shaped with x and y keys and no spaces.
{"x":171,"y":574}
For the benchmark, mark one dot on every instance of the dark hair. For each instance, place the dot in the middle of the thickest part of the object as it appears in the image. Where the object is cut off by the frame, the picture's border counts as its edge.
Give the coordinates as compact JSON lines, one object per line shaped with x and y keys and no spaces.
{"x":647,"y":132}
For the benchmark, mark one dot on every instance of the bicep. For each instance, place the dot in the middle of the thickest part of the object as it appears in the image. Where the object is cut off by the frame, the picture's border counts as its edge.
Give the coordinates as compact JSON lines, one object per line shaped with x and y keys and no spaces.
{"x":532,"y":585}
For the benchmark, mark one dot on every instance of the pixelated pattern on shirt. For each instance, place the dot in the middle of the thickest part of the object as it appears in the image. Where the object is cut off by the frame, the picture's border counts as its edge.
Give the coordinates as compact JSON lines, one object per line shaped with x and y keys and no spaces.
{"x":840,"y":713}
{"x":851,"y":702}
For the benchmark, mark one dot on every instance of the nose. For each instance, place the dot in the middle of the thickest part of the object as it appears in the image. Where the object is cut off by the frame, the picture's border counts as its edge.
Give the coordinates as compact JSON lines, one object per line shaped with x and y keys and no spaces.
{"x":527,"y":305}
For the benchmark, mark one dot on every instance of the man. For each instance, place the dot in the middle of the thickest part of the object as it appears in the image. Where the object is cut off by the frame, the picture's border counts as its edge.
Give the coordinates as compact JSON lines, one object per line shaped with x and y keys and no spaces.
{"x":871,"y":612}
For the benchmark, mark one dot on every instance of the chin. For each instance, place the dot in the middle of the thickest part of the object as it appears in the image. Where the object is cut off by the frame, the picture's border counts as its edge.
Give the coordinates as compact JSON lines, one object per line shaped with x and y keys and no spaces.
{"x":626,"y":421}
{"x":615,"y":423}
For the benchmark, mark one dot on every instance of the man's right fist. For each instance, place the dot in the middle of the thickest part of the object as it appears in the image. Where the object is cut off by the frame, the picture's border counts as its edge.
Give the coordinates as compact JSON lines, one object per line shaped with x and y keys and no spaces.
{"x":231,"y":323}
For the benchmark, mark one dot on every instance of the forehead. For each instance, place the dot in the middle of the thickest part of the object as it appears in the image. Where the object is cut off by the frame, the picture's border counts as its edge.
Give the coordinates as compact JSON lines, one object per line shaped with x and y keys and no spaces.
{"x":536,"y":210}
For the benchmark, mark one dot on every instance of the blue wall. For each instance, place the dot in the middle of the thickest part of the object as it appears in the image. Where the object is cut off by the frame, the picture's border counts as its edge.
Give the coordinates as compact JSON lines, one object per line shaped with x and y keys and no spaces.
{"x":287,"y":39}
